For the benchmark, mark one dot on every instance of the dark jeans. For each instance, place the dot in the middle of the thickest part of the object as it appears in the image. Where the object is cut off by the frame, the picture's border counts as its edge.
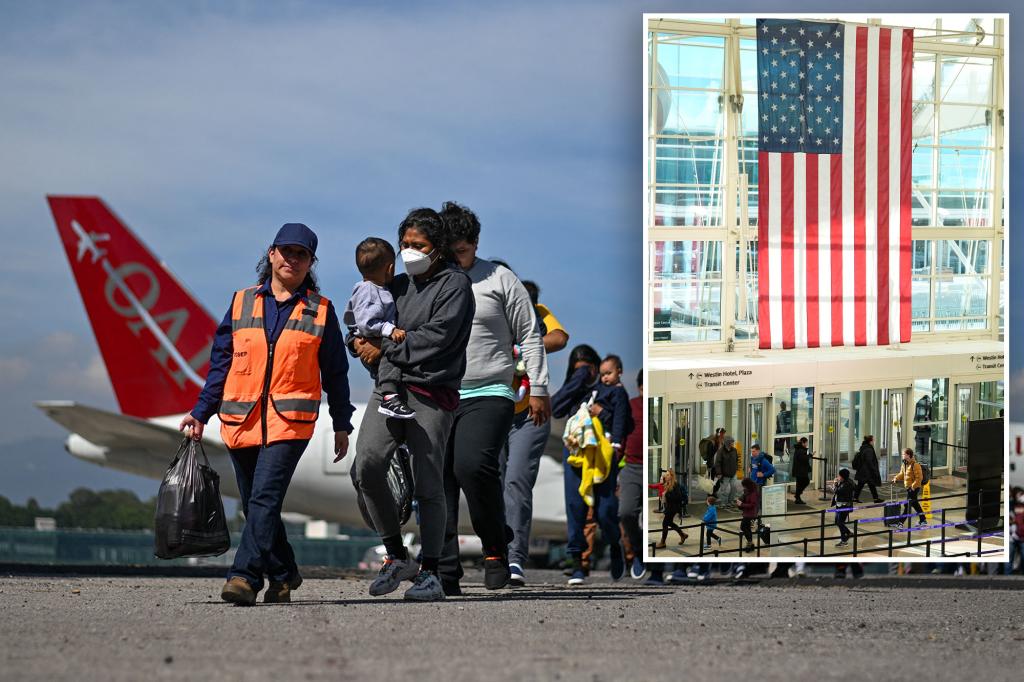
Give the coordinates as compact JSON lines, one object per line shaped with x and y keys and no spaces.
{"x":606,"y":507}
{"x":860,"y":486}
{"x":747,"y":528}
{"x":668,"y":523}
{"x":912,"y":503}
{"x":263,"y":475}
{"x":844,"y":530}
{"x":471,"y":464}
{"x":801,"y":485}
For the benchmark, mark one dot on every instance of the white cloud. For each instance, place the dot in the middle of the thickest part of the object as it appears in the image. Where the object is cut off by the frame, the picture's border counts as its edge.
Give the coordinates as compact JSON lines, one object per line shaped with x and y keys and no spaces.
{"x":13,"y":370}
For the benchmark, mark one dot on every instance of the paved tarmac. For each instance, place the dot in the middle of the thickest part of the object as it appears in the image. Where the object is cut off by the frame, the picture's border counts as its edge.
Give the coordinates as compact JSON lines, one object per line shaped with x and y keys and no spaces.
{"x":146,"y":627}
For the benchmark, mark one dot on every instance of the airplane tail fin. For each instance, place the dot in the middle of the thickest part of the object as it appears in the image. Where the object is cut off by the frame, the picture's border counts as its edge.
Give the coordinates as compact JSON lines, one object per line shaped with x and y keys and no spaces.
{"x":153,"y":335}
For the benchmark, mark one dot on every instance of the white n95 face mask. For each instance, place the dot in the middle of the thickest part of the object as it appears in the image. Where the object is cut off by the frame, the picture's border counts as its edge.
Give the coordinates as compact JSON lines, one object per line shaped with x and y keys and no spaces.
{"x":416,"y":262}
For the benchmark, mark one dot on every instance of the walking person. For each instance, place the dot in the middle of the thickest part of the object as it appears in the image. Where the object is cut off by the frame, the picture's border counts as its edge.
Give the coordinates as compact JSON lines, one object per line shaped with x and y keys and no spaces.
{"x":268,"y":406}
{"x":865,"y":464}
{"x":761,"y":467}
{"x":911,"y":476}
{"x":673,"y":508}
{"x":726,"y":464}
{"x":801,"y":469}
{"x":711,"y":523}
{"x":520,"y":458}
{"x":611,"y":404}
{"x":749,"y":505}
{"x":843,"y":499}
{"x":504,"y":317}
{"x":631,"y":484}
{"x":434,"y":300}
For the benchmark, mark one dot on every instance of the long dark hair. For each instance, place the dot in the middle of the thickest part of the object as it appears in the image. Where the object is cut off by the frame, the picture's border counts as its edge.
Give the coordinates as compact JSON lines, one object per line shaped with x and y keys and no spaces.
{"x":264,"y":270}
{"x":429,"y":222}
{"x":581,"y":353}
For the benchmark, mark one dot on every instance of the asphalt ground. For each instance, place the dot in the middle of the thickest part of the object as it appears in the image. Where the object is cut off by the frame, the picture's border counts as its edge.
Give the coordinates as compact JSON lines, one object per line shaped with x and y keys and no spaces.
{"x":101,"y":627}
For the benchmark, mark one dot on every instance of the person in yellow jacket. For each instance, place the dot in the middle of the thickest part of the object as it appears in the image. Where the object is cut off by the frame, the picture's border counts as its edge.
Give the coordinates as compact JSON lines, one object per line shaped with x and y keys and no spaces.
{"x":911,"y":476}
{"x":278,"y":344}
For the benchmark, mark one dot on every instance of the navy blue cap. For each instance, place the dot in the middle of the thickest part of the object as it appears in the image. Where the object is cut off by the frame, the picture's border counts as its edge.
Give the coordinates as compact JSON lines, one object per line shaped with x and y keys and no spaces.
{"x":296,"y":234}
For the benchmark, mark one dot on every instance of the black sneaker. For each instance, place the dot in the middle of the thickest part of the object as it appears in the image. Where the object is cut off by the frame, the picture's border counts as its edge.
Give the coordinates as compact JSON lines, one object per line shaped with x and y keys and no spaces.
{"x":393,"y":406}
{"x":496,"y":572}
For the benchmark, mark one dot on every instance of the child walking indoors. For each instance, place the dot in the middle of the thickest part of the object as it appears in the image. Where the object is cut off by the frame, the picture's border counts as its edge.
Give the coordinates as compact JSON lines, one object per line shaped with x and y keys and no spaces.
{"x":711,"y":523}
{"x":673,"y":507}
{"x":371,"y":314}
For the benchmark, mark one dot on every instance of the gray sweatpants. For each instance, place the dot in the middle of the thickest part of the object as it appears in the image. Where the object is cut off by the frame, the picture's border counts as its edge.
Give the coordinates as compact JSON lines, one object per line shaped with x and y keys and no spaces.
{"x":426,"y":437}
{"x":520,"y":462}
{"x":631,"y":497}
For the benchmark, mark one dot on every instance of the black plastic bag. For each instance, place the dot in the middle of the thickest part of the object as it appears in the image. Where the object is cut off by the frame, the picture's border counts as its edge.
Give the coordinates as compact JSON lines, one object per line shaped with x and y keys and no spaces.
{"x":189,"y":510}
{"x":765,"y":533}
{"x":400,"y":483}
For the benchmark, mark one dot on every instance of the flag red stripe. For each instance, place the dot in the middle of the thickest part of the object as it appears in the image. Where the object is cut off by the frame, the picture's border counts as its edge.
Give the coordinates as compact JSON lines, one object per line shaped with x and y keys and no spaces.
{"x":906,"y":232}
{"x":764,"y":336}
{"x":788,"y":288}
{"x":859,"y":190}
{"x":882,"y":254}
{"x":812,"y":251}
{"x":836,"y":247}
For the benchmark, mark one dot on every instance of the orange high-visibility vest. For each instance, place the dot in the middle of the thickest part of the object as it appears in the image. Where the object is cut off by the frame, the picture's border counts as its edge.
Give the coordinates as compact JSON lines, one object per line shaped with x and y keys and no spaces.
{"x":272,"y":391}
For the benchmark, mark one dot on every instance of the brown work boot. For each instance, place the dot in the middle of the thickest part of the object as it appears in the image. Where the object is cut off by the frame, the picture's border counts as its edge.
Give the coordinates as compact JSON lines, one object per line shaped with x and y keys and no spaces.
{"x":237,"y":591}
{"x":281,"y":592}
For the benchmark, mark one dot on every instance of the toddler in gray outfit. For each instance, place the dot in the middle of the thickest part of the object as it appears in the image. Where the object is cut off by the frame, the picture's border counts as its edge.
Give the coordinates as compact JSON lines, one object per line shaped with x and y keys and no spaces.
{"x":371,"y":314}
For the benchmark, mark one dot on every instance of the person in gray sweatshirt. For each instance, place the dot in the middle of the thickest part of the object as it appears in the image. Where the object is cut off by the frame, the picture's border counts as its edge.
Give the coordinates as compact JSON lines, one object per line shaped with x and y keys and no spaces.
{"x":504,"y":317}
{"x":434,"y":302}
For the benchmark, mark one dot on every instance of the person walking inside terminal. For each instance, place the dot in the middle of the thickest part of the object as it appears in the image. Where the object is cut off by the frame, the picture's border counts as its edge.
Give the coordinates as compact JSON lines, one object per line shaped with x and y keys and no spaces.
{"x":435,"y":307}
{"x":711,"y":523}
{"x":674,"y":500}
{"x":749,"y":504}
{"x":610,"y":404}
{"x":279,"y":342}
{"x":843,"y":499}
{"x":708,"y":447}
{"x":761,"y":467}
{"x":865,"y":463}
{"x":504,"y":317}
{"x":801,"y":469}
{"x":911,"y":477}
{"x":726,"y":464}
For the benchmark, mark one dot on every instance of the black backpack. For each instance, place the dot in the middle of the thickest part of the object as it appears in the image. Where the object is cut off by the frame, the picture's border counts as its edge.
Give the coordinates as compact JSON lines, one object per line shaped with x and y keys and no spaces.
{"x":924,"y":474}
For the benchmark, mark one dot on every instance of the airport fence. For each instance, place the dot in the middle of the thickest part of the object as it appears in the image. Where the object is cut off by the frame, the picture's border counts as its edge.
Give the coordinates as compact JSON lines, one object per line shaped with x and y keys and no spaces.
{"x":895,"y":538}
{"x":135,"y":548}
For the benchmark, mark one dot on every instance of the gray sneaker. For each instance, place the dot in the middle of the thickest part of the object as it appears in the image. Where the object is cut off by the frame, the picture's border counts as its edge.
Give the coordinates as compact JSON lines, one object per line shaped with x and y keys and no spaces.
{"x":391,"y":575}
{"x":426,"y":587}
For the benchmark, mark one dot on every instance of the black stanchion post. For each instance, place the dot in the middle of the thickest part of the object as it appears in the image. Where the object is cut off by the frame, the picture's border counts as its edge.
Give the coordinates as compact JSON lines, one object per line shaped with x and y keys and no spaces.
{"x":979,"y":537}
{"x":855,"y":532}
{"x":700,"y":547}
{"x":757,"y":532}
{"x":821,"y":535}
{"x":942,"y":547}
{"x":928,"y":548}
{"x":890,"y":542}
{"x":805,"y":547}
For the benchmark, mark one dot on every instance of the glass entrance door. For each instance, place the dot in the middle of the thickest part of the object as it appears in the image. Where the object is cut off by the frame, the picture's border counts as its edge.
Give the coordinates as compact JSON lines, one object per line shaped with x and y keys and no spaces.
{"x":753,"y":429}
{"x":829,"y":438}
{"x":966,"y":396}
{"x":890,"y":440}
{"x":683,"y":445}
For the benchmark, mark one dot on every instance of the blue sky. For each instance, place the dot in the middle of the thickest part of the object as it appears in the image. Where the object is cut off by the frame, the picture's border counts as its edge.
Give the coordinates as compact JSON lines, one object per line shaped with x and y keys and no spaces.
{"x":207,"y":125}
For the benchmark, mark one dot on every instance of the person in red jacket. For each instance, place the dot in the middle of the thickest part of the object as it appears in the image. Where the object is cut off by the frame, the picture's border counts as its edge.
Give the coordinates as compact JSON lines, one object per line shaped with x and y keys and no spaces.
{"x":748,"y":505}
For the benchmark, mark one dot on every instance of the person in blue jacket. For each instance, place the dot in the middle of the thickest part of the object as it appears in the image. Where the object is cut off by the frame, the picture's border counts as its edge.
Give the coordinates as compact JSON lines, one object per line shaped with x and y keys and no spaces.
{"x":761,"y":468}
{"x":611,"y":406}
{"x":711,"y":523}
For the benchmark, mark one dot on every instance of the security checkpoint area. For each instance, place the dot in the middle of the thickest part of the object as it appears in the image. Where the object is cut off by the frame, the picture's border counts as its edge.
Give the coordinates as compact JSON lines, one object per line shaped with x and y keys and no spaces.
{"x":824,"y":356}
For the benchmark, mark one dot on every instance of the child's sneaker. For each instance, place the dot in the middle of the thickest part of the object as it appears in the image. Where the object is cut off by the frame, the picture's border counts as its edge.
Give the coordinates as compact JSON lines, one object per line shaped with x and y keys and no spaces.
{"x":393,"y":406}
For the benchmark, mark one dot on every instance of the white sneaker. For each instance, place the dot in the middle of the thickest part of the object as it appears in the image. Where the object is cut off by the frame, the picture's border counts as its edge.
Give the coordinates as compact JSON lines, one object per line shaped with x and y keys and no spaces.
{"x":426,"y":587}
{"x":692,"y":572}
{"x":392,"y":574}
{"x":516,"y":575}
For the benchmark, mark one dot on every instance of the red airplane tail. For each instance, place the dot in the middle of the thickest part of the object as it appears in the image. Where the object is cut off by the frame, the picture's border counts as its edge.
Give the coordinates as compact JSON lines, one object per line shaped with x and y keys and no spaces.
{"x":154,"y":336}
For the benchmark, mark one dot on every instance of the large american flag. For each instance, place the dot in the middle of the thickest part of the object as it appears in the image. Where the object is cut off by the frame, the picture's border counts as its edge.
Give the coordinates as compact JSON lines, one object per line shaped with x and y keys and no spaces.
{"x":834,"y":184}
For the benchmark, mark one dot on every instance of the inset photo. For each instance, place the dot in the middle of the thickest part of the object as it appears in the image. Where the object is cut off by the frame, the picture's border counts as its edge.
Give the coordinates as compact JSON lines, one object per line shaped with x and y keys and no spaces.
{"x":825,"y":294}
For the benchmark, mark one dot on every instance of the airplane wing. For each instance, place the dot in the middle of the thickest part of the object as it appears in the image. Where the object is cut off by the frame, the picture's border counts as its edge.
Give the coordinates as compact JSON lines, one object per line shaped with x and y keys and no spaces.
{"x":111,"y":430}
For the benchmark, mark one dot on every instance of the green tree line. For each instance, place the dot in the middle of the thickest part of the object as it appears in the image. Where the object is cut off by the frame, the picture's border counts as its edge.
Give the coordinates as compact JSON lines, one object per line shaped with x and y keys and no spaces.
{"x":84,"y":508}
